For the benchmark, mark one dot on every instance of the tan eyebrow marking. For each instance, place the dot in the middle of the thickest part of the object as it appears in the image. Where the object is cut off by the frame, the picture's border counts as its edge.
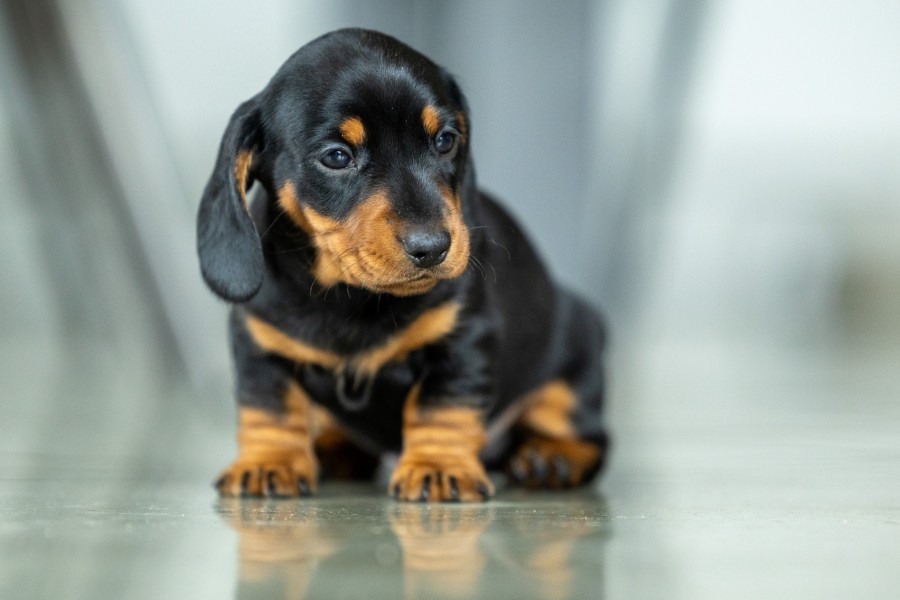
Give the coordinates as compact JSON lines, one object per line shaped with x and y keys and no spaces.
{"x":353,"y":131}
{"x":430,"y":119}
{"x":463,"y":127}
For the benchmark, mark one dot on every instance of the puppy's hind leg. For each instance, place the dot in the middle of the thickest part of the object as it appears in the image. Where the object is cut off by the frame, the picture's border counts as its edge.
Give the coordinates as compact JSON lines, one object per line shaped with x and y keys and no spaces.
{"x":562,"y":439}
{"x":340,"y":457}
{"x":552,"y":453}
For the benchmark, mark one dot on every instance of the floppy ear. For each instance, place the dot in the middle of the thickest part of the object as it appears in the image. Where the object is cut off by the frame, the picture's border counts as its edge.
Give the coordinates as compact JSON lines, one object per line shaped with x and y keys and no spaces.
{"x":231,"y":257}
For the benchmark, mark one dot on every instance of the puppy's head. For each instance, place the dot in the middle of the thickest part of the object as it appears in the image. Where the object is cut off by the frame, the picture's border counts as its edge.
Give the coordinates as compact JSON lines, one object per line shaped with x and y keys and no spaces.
{"x":362,"y":142}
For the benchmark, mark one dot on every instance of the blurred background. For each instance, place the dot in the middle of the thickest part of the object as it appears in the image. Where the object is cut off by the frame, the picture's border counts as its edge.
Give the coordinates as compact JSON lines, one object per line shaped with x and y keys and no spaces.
{"x":706,"y":172}
{"x":722,"y":178}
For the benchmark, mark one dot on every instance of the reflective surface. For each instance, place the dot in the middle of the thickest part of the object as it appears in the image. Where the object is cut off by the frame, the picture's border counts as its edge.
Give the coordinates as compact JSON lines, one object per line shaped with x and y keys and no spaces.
{"x":164,"y":540}
{"x":735,"y":474}
{"x":339,"y":548}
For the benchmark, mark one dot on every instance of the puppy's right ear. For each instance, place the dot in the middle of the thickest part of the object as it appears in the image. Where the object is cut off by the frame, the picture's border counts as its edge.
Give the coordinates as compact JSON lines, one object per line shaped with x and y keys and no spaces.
{"x":231,"y":257}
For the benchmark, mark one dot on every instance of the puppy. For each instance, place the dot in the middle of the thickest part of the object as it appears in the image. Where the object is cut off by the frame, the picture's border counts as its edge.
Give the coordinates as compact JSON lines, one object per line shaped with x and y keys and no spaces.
{"x":381,"y":302}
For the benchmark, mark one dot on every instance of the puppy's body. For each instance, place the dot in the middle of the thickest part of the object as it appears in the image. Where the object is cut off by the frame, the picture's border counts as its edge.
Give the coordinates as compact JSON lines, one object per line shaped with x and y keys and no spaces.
{"x":381,"y":301}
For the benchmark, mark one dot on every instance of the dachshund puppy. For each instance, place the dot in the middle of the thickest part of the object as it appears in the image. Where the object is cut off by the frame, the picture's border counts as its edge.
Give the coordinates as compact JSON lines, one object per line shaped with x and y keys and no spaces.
{"x":381,"y":302}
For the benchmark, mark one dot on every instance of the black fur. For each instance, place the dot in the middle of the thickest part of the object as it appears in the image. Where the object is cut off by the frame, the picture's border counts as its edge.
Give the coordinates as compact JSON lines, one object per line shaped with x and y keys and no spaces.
{"x":516,"y":330}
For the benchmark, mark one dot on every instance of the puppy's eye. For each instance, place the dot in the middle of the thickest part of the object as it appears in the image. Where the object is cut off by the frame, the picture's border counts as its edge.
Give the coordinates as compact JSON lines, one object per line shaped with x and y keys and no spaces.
{"x":445,"y":142}
{"x":337,"y":158}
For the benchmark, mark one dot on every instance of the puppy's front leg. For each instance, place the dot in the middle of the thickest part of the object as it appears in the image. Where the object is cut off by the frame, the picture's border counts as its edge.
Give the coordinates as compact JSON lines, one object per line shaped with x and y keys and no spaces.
{"x":275,"y":452}
{"x":275,"y":426}
{"x":440,"y":460}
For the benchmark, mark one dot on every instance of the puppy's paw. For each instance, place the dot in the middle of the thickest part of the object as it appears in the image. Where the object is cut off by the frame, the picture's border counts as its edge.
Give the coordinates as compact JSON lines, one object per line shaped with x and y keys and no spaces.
{"x":548,"y":463}
{"x":440,"y":480}
{"x":272,"y":477}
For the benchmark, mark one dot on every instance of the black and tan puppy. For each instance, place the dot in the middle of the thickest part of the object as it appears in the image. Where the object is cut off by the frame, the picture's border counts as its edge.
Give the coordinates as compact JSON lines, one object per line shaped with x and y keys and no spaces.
{"x":381,"y":302}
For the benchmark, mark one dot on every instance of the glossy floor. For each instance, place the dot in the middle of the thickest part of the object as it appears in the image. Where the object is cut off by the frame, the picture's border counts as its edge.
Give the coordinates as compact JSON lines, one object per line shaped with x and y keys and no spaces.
{"x":780,"y":481}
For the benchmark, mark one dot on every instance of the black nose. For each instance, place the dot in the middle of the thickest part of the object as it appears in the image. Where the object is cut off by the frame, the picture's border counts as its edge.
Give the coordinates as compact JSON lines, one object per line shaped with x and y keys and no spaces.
{"x":426,"y":248}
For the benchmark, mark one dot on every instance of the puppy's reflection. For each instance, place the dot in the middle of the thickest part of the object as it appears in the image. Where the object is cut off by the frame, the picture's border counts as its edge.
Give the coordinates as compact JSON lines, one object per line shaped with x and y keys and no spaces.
{"x":441,"y":552}
{"x":558,"y":548}
{"x":545,"y":547}
{"x":548,"y":546}
{"x":280,"y":546}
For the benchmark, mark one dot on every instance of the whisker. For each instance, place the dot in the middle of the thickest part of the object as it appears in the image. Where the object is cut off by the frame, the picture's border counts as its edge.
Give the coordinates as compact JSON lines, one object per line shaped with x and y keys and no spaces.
{"x":473,"y":260}
{"x":358,"y":308}
{"x":298,"y":249}
{"x":496,"y":243}
{"x":316,"y":277}
{"x":494,"y":270}
{"x":280,"y":214}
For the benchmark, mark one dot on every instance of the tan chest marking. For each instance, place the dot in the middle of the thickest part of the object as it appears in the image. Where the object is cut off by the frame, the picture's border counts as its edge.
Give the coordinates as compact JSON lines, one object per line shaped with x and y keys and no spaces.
{"x":427,"y":328}
{"x":273,"y":340}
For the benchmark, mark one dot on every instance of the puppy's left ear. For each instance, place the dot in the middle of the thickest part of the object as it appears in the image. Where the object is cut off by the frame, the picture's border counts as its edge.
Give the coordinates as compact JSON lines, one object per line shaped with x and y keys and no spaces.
{"x":231,"y":257}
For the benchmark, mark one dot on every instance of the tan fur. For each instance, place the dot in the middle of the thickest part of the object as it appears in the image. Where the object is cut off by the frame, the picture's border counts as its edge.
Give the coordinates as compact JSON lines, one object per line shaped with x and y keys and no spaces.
{"x":463,"y":127}
{"x":353,"y":131}
{"x":431,"y":120}
{"x":273,"y":445}
{"x":272,"y":339}
{"x":242,"y":172}
{"x":549,"y":410}
{"x":427,"y":328}
{"x":364,"y":250}
{"x":440,"y":444}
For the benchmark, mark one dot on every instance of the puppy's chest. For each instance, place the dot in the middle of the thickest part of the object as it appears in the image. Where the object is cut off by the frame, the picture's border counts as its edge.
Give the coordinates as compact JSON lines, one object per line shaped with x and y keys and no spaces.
{"x":361,"y":347}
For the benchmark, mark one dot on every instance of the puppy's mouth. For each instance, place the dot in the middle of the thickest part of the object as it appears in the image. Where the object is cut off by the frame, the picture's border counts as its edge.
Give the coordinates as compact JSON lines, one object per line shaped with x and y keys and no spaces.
{"x":410,"y":287}
{"x":398,"y":277}
{"x":419,"y":283}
